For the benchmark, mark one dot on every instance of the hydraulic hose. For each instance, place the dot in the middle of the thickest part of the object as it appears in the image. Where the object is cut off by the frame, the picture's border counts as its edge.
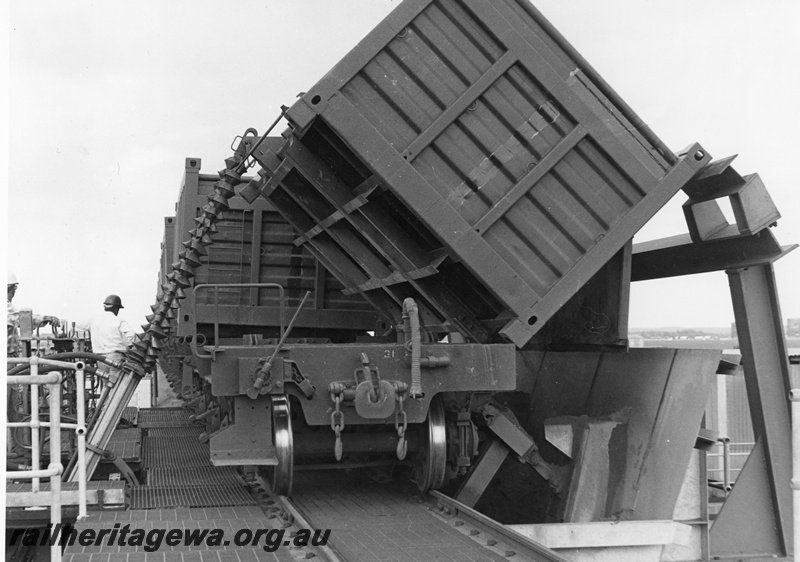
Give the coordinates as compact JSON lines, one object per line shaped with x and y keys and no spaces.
{"x":86,"y":355}
{"x":411,"y":327}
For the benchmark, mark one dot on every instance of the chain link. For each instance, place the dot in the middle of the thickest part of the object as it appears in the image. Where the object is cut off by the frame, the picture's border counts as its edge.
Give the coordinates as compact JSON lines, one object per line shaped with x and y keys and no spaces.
{"x":401,"y":424}
{"x":337,"y":424}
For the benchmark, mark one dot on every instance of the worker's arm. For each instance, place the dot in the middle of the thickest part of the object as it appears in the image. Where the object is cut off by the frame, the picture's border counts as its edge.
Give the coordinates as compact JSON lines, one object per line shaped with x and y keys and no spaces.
{"x":39,"y":320}
{"x":12,"y":317}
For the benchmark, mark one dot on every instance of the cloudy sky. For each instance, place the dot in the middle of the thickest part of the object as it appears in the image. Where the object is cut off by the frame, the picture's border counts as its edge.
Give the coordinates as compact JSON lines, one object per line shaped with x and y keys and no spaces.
{"x":106,"y":99}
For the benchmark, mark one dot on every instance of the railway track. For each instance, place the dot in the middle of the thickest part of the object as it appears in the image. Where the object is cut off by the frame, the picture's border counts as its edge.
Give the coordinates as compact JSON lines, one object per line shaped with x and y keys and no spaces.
{"x":361,"y":513}
{"x":392,"y":520}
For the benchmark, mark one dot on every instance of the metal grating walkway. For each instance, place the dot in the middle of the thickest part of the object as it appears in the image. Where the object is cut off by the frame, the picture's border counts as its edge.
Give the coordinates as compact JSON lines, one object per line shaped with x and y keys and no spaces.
{"x":131,"y":415}
{"x":127,"y":444}
{"x":161,"y":497}
{"x":178,"y":466}
{"x":175,"y":451}
{"x":193,"y":476}
{"x":164,"y":417}
{"x":190,"y":431}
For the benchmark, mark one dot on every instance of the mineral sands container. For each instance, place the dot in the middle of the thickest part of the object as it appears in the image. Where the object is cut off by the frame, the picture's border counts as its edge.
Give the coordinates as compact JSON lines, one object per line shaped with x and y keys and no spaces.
{"x":464,"y":154}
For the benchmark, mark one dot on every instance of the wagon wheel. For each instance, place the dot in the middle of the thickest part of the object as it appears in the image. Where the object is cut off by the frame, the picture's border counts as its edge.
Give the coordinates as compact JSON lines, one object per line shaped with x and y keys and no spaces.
{"x":280,"y":476}
{"x":430,"y":461}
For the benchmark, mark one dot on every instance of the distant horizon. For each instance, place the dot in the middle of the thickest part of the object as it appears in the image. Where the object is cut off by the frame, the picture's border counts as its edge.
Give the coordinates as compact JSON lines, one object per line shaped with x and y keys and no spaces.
{"x":708,"y":329}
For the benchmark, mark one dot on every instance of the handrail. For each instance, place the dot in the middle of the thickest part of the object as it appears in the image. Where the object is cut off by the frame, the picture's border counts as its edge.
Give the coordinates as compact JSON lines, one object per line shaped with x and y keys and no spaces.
{"x":55,"y":468}
{"x":729,"y":453}
{"x":794,"y":395}
{"x":216,"y":287}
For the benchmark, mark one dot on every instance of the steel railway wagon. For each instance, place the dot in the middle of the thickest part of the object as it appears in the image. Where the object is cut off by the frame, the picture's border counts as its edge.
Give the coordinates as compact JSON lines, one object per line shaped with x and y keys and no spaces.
{"x":445,"y":227}
{"x":467,"y":174}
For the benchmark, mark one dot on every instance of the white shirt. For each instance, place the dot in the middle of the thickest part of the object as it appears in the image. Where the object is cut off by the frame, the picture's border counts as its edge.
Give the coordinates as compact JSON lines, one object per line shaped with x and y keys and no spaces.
{"x":110,"y":333}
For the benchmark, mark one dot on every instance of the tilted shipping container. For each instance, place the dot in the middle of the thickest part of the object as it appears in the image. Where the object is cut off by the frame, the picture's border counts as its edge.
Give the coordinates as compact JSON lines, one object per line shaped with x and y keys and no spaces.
{"x":465,"y":155}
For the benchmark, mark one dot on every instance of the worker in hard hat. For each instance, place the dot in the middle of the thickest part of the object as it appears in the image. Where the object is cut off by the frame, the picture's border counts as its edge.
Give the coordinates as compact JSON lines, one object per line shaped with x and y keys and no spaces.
{"x":12,"y":318}
{"x":111,"y":335}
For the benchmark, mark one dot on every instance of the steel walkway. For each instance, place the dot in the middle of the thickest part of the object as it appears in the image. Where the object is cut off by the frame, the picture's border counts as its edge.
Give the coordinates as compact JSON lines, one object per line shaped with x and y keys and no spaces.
{"x":368,"y":519}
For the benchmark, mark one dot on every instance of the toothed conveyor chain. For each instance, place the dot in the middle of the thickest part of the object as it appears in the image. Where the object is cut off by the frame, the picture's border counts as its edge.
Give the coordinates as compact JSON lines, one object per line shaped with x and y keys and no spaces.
{"x":141,"y":357}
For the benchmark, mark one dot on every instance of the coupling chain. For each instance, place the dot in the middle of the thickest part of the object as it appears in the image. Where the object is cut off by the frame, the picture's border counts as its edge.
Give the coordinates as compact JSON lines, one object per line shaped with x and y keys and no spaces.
{"x":337,"y":421}
{"x":401,"y":424}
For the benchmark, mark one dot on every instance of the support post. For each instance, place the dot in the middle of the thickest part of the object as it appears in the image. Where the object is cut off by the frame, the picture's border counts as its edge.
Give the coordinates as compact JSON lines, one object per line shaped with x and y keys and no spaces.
{"x":482,"y":472}
{"x":757,"y":516}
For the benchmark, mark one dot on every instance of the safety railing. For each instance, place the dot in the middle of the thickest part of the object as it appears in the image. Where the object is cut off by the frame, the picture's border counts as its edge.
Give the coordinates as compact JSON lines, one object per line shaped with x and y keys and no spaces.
{"x":216,"y":287}
{"x":725,"y":465}
{"x":52,"y":379}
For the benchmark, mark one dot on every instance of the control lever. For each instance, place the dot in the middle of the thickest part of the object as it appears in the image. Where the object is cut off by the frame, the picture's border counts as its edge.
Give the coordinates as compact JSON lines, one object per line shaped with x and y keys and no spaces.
{"x":263,"y":373}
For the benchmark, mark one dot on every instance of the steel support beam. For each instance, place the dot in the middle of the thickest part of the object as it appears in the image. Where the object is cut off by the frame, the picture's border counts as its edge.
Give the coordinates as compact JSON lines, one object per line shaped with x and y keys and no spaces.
{"x":482,"y":472}
{"x":765,"y":479}
{"x":678,"y":255}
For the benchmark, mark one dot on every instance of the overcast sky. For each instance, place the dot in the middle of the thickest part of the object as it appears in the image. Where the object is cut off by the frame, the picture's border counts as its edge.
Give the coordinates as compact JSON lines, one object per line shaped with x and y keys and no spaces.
{"x":107,"y":98}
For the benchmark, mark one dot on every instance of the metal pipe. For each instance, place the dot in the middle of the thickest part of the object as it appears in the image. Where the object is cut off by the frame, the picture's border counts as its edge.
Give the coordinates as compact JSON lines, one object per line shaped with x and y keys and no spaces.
{"x":253,"y":391}
{"x":55,"y":463}
{"x":53,"y":469}
{"x":80,"y":432}
{"x":41,"y":424}
{"x":795,"y":397}
{"x":53,"y":360}
{"x":35,"y":379}
{"x":44,"y":369}
{"x":42,"y":361}
{"x":87,"y":427}
{"x":100,"y":434}
{"x":36,"y":460}
{"x":726,"y":463}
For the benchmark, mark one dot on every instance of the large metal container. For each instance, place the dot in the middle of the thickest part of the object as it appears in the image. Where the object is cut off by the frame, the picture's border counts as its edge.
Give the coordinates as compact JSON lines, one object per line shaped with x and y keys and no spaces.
{"x":167,"y":253}
{"x":465,"y":155}
{"x":254,"y":245}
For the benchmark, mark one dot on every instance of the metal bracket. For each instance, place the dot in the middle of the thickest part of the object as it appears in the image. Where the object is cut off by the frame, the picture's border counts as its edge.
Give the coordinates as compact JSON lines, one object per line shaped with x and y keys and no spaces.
{"x":291,"y":373}
{"x":503,"y":423}
{"x":123,"y":467}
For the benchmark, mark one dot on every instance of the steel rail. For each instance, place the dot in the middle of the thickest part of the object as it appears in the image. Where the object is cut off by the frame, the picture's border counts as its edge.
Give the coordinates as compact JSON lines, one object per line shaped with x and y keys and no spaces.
{"x":299,"y":519}
{"x":525,"y":547}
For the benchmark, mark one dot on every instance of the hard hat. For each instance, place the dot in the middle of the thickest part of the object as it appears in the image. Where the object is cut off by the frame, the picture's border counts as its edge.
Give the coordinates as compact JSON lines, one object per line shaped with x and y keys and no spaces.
{"x":12,"y":279}
{"x":113,"y":300}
